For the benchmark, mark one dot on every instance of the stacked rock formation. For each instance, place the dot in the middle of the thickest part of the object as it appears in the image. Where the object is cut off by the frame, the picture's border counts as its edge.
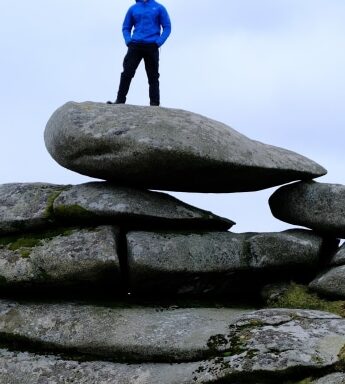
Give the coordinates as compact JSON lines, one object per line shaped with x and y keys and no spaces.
{"x":111,"y":282}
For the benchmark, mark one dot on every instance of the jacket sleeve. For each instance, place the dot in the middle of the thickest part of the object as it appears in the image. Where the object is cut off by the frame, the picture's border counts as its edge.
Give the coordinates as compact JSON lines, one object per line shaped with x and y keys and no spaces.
{"x":127,"y":27}
{"x":166,"y":25}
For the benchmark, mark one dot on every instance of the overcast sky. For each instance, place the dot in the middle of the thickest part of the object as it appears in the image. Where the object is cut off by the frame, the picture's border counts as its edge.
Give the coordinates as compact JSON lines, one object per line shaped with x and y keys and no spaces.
{"x":273,"y":70}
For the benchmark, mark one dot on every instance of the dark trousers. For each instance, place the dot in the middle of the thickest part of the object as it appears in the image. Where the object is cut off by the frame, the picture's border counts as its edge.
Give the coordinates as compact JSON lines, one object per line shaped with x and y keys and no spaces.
{"x":136,"y":52}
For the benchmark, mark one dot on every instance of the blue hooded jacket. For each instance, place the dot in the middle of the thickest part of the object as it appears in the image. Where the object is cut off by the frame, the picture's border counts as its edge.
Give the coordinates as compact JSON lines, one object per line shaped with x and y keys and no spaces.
{"x":150,"y":21}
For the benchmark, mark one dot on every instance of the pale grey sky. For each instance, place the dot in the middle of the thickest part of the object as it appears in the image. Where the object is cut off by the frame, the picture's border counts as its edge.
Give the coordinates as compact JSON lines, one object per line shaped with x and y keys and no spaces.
{"x":271,"y":69}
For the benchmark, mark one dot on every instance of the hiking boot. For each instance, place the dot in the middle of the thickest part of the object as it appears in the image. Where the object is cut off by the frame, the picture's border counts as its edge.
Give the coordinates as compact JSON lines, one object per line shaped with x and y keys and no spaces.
{"x":154,"y":104}
{"x":116,"y":102}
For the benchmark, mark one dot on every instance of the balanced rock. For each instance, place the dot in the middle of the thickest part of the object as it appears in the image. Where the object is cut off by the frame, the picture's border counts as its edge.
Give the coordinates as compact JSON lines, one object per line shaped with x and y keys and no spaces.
{"x":26,"y":206}
{"x":218,"y":262}
{"x":167,"y":149}
{"x":319,"y":206}
{"x":132,"y":207}
{"x":60,"y":257}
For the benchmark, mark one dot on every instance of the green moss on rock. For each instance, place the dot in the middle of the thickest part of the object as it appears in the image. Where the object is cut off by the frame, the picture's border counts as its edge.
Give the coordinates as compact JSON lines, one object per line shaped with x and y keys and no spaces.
{"x":24,"y":243}
{"x":72,"y":211}
{"x":49,"y":212}
{"x":299,"y":296}
{"x":217,"y":341}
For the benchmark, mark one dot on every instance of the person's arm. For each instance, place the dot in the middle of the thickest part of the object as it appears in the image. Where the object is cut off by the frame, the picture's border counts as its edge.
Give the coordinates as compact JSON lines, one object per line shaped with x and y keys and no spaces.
{"x":166,"y":25}
{"x":127,"y":27}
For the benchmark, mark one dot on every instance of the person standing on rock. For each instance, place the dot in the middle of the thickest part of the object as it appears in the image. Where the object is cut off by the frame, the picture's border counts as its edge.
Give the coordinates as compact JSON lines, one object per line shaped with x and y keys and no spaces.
{"x":145,"y":28}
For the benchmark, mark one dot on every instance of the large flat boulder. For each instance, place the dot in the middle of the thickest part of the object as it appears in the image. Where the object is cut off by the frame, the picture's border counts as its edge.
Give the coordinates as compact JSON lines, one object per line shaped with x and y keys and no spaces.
{"x":319,"y":206}
{"x":27,"y":206}
{"x":268,"y":346}
{"x":167,"y":149}
{"x":119,"y":334}
{"x":218,"y":262}
{"x":35,"y":206}
{"x":60,"y":257}
{"x":135,"y":208}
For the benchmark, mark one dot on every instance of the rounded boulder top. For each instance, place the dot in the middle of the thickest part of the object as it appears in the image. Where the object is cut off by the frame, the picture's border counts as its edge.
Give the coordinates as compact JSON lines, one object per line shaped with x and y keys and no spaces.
{"x":167,"y":149}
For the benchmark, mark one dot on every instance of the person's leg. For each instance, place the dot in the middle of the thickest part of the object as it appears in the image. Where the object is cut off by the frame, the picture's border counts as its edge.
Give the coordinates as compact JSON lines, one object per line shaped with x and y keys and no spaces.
{"x":130,"y":65}
{"x":151,"y":59}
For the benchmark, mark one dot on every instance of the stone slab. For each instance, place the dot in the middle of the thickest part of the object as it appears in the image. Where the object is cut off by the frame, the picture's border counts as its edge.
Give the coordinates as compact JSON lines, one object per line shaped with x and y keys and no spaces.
{"x":167,"y":149}
{"x":140,"y":334}
{"x":270,"y":344}
{"x":217,"y":262}
{"x":132,"y":207}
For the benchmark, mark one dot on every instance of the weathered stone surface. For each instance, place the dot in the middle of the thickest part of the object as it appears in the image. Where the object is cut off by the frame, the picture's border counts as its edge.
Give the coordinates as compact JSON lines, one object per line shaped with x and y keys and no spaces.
{"x":122,"y":334}
{"x":29,"y":368}
{"x":262,"y":345}
{"x":212,"y":262}
{"x":330,"y":282}
{"x":288,"y":248}
{"x":280,"y":342}
{"x":60,"y":257}
{"x":136,"y":208}
{"x":318,"y":206}
{"x":334,"y":378}
{"x":26,"y":206}
{"x":168,"y":149}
